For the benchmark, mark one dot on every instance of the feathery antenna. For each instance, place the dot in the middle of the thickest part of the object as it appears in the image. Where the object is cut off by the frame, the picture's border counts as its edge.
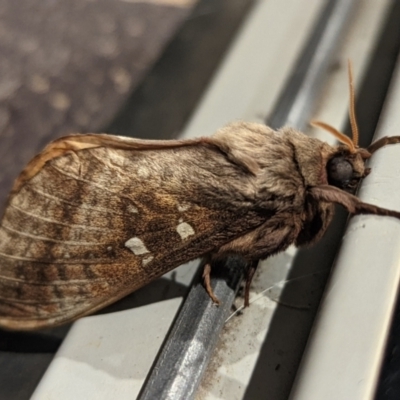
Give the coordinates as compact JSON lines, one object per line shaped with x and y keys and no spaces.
{"x":352,"y":105}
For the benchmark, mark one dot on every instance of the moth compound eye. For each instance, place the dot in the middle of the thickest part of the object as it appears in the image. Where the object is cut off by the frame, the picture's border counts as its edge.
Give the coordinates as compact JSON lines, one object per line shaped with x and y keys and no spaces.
{"x":340,"y":171}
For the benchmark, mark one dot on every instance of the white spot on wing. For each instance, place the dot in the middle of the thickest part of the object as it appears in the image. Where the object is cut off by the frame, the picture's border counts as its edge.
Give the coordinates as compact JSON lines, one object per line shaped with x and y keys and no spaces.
{"x":146,"y":260}
{"x":185,"y":230}
{"x":136,"y":246}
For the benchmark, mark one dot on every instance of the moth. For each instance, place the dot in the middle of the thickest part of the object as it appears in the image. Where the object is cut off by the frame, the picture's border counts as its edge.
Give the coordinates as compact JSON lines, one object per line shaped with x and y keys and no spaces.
{"x":94,"y":217}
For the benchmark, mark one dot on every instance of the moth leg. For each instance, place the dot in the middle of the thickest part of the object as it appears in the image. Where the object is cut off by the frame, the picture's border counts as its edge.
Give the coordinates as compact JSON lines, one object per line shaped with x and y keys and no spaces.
{"x":383,"y":142}
{"x":251,"y":269}
{"x":207,"y":283}
{"x":352,"y":203}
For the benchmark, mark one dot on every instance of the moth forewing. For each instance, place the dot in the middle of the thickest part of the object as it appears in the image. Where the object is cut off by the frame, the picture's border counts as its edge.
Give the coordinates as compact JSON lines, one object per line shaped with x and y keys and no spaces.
{"x":93,"y":218}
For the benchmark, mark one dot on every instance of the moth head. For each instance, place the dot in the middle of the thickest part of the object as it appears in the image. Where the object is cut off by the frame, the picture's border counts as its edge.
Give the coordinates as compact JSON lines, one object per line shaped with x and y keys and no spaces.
{"x":345,"y":170}
{"x":346,"y":165}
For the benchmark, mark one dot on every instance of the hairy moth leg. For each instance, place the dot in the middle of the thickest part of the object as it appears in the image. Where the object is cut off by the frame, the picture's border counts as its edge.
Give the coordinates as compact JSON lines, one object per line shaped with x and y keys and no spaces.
{"x":207,"y":283}
{"x":383,"y":142}
{"x":251,"y":269}
{"x":353,"y":204}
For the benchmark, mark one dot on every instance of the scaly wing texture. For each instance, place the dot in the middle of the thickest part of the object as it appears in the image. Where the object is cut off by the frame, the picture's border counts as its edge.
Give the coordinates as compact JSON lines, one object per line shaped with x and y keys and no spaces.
{"x":89,"y":223}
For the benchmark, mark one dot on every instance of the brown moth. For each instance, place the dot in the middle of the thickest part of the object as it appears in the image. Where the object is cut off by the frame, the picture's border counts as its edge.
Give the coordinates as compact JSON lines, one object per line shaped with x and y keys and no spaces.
{"x":94,"y":217}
